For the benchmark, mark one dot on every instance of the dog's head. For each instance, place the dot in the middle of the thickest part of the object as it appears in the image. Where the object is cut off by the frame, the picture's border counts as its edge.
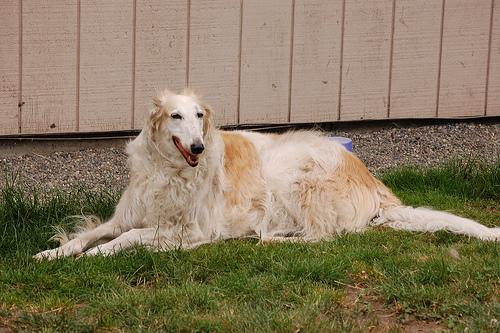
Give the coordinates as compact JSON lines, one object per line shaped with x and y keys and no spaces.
{"x":182,"y":124}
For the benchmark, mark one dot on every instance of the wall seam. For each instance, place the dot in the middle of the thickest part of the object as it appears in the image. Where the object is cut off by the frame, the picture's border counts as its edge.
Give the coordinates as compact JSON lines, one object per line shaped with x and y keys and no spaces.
{"x":239,"y":65}
{"x":391,"y":57}
{"x":78,"y":69}
{"x":20,"y":102}
{"x":188,"y":42}
{"x":341,"y":64}
{"x":440,"y":58}
{"x":134,"y":34}
{"x":290,"y":66}
{"x":488,"y":61}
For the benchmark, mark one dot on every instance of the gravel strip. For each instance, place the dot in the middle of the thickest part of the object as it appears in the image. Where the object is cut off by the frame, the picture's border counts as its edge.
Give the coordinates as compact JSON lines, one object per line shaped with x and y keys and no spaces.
{"x":379,"y":147}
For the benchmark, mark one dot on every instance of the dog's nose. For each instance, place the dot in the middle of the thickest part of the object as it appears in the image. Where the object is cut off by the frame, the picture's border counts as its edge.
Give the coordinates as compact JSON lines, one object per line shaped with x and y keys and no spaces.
{"x":197,"y":148}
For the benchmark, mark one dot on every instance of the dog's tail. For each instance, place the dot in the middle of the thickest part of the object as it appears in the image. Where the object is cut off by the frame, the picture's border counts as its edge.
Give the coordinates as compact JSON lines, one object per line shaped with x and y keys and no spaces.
{"x":428,"y":220}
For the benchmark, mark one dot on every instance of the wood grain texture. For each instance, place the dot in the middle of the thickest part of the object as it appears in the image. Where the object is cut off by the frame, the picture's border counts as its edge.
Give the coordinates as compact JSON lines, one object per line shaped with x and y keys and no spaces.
{"x":464,"y":58}
{"x":214,"y":56}
{"x":160,"y":51}
{"x":106,"y":65}
{"x":415,"y":66}
{"x":9,"y":66}
{"x":365,"y":70}
{"x":493,"y":103}
{"x":49,"y":66}
{"x":283,"y":64}
{"x":316,"y":60}
{"x":265,"y":61}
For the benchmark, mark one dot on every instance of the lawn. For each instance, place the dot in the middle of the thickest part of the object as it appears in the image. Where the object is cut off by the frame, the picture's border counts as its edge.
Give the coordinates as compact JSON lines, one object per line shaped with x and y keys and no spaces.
{"x":380,"y":280}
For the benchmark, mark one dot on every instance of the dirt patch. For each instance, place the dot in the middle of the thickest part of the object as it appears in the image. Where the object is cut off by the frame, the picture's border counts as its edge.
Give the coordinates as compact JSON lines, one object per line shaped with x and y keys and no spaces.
{"x":372,"y":315}
{"x":5,"y":321}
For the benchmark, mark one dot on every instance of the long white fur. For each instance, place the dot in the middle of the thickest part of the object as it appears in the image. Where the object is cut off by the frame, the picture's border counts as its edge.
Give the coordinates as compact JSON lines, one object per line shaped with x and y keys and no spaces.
{"x":298,"y":186}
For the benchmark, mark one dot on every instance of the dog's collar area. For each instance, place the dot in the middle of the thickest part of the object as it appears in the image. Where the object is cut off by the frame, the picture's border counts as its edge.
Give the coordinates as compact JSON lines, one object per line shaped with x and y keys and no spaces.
{"x":191,"y":159}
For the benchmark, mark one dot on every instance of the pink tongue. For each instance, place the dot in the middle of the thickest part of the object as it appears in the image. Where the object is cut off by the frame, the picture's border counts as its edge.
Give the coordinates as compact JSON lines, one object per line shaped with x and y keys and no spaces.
{"x":192,"y":160}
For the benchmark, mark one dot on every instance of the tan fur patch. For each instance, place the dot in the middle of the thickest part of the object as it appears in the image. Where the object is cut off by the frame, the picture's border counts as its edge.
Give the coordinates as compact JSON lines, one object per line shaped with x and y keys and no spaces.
{"x":357,"y":174}
{"x":157,"y":116}
{"x":207,"y":123}
{"x":241,"y":165}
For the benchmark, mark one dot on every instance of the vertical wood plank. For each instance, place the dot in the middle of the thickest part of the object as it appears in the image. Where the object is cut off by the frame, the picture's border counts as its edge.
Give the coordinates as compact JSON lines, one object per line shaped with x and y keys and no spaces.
{"x":316,"y":60}
{"x":49,"y":66}
{"x":160,"y":51}
{"x":415,"y":66}
{"x":9,"y":66}
{"x":493,"y":102}
{"x":365,"y":69}
{"x":214,"y":56}
{"x":265,"y":61}
{"x":106,"y":65}
{"x":464,"y":58}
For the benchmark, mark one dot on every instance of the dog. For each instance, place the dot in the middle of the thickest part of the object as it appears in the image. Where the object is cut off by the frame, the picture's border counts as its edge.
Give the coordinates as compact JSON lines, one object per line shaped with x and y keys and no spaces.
{"x":192,"y":184}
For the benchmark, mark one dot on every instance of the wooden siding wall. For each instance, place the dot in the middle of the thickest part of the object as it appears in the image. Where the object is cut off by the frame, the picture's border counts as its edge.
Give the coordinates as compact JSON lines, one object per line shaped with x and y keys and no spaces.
{"x":88,"y":65}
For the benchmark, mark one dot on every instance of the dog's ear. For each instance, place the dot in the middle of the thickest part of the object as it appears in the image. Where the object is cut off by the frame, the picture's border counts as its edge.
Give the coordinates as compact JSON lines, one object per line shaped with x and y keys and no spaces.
{"x":157,"y":115}
{"x":207,"y":122}
{"x":157,"y":102}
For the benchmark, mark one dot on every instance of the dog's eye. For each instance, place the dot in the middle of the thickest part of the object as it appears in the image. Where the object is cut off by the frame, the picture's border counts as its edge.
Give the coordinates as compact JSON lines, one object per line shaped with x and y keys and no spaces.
{"x":176,"y":116}
{"x":199,"y":115}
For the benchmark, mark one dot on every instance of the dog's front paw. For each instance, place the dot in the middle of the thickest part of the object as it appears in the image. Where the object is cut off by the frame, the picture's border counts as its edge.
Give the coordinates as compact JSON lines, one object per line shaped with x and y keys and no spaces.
{"x":71,"y":248}
{"x":48,"y":255}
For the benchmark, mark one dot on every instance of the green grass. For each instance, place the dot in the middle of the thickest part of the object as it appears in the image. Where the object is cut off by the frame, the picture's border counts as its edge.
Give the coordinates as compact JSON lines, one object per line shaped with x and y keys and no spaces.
{"x":382,"y":278}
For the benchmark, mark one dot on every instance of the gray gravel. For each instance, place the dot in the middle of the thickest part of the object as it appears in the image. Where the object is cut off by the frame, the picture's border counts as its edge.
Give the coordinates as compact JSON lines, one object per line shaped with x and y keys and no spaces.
{"x":379,"y":147}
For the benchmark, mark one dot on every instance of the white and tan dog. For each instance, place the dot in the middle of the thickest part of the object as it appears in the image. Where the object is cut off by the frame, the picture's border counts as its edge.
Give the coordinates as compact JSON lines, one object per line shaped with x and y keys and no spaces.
{"x":192,"y":184}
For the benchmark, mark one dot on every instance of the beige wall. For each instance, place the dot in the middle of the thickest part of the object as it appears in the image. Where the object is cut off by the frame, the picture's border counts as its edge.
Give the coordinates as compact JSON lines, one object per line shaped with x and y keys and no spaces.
{"x":89,"y":65}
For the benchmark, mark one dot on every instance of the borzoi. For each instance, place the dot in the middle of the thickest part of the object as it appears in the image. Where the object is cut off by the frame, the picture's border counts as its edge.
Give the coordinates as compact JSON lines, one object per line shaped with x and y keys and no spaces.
{"x":192,"y":184}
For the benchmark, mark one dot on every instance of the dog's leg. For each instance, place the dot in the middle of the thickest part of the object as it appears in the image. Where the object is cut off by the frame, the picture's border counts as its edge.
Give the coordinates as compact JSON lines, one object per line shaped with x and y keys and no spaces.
{"x":82,"y":241}
{"x":128,"y":215}
{"x":149,"y":237}
{"x":154,"y":238}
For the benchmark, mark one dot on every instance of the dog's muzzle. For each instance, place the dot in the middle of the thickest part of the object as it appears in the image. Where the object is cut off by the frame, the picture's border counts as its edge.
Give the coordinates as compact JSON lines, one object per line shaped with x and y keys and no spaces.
{"x":191,"y":158}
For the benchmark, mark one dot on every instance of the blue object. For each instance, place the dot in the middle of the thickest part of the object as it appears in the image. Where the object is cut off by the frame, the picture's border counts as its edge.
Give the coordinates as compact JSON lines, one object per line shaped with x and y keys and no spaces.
{"x":346,"y":142}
